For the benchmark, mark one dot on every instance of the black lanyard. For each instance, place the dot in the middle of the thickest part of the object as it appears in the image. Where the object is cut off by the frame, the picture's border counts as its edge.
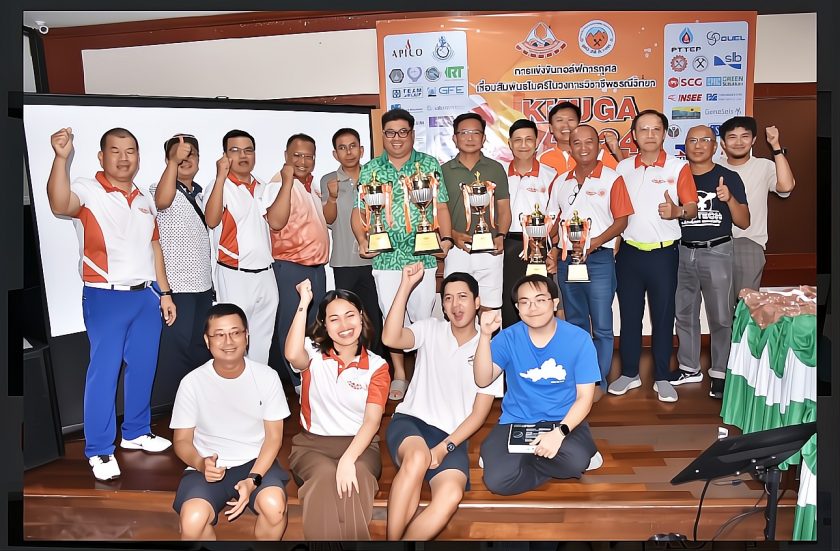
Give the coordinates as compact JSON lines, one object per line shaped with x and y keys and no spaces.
{"x":183,"y":189}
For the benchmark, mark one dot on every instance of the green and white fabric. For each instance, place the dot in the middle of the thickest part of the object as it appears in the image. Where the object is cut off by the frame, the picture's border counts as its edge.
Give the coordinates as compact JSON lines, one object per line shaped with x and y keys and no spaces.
{"x":805,"y":521}
{"x":771,"y":382}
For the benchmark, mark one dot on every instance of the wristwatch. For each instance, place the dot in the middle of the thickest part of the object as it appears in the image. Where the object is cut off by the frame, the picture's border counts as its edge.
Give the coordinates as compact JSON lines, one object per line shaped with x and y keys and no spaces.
{"x":256,"y":477}
{"x":447,"y":238}
{"x":564,"y":429}
{"x":450,"y":447}
{"x":782,"y":151}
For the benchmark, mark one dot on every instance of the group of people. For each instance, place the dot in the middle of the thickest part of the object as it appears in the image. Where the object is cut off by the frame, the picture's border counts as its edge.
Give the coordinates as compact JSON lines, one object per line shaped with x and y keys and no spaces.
{"x":661,"y":228}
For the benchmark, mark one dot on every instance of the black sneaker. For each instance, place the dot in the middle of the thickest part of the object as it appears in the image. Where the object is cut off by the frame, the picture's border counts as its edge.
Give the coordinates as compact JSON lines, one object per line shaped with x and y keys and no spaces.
{"x":688,"y":377}
{"x":717,"y":389}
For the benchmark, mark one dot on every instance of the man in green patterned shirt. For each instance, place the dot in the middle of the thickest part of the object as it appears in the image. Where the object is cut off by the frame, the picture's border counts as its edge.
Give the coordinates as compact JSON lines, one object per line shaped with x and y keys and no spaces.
{"x":400,"y":159}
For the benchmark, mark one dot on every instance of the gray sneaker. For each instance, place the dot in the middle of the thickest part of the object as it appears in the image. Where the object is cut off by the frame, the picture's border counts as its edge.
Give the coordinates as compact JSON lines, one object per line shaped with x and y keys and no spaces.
{"x":665,"y":391}
{"x":595,"y":462}
{"x":623,"y":384}
{"x":688,"y":377}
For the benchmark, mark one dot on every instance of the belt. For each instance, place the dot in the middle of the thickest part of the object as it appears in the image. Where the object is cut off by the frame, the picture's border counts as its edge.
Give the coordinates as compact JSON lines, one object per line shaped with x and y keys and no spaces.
{"x":514,"y":236}
{"x":647,"y":247}
{"x":112,"y":287}
{"x":247,"y":270}
{"x":706,"y":244}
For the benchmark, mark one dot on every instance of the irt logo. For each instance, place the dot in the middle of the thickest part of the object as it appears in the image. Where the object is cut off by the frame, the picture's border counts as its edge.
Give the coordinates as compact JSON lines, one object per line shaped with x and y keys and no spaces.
{"x":454,"y":71}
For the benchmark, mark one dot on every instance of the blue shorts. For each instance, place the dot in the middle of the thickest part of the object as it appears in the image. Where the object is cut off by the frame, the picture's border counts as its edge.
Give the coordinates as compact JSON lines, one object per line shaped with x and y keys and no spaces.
{"x":402,"y":426}
{"x":194,"y":485}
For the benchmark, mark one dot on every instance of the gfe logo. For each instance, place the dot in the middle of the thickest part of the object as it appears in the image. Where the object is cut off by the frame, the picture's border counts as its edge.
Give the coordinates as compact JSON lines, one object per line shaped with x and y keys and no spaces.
{"x":451,"y":90}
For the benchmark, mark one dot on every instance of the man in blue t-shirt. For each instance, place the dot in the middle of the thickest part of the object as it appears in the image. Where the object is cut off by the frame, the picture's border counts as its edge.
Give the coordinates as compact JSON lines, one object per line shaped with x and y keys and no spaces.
{"x":707,"y":260}
{"x":550,"y":368}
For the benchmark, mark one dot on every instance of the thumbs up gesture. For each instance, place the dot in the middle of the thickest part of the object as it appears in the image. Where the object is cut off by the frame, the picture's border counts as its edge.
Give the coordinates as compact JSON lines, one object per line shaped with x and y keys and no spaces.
{"x":182,"y":150}
{"x":723,"y":191}
{"x":668,"y":210}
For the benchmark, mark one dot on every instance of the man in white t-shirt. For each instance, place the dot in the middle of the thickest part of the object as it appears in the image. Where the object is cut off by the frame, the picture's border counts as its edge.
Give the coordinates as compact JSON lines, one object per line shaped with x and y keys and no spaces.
{"x":427,"y":436}
{"x":228,"y":423}
{"x":760,"y":177}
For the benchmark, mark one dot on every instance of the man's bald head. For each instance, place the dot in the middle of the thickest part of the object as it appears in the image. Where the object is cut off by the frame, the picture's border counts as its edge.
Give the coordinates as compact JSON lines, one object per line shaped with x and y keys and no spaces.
{"x":699,"y":131}
{"x":700,"y":144}
{"x":582,"y":130}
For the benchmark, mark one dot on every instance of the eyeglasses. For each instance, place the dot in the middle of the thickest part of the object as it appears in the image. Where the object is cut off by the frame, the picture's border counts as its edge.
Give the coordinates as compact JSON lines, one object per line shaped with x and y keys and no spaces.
{"x":304,"y":156}
{"x":233,"y":335}
{"x":574,"y":194}
{"x":525,"y":303}
{"x":350,"y":147}
{"x":465,"y":133}
{"x":705,"y":140}
{"x":403,"y":132}
{"x":237,"y":150}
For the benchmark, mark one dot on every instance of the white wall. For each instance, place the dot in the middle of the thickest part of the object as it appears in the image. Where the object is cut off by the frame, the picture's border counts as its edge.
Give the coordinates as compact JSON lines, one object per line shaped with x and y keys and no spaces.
{"x":786,"y":48}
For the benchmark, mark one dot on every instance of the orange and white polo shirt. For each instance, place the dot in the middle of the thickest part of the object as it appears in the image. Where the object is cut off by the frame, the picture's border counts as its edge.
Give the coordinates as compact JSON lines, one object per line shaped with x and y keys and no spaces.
{"x":333,"y":396}
{"x":528,"y":190}
{"x":562,"y":161}
{"x":304,"y":240}
{"x":647,"y":186}
{"x":242,"y":236}
{"x":602,"y":197}
{"x":115,"y":231}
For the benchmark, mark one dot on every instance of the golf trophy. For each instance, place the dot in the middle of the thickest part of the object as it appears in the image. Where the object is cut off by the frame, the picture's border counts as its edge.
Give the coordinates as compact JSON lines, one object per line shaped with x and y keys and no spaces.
{"x":478,"y":196}
{"x":376,"y":197}
{"x":535,"y":229}
{"x":422,"y":189}
{"x":576,"y":231}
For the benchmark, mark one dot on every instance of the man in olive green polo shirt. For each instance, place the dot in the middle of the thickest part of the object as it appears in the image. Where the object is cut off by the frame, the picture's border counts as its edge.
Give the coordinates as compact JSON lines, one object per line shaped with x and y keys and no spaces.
{"x":401,"y":159}
{"x":485,"y":267}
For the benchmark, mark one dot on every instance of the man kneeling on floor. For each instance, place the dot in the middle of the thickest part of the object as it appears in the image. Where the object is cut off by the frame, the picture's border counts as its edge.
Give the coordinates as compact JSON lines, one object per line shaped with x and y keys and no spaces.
{"x":550,"y":369}
{"x":228,"y":422}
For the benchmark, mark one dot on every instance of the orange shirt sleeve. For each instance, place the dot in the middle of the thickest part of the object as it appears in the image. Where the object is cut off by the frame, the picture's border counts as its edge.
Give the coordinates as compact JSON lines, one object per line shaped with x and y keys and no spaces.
{"x":686,"y":188}
{"x":156,"y":232}
{"x":379,"y":385}
{"x":620,"y":204}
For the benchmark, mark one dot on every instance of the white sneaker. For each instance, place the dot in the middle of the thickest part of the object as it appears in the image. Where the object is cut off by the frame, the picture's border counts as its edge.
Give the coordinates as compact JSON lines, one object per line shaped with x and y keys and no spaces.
{"x":147,"y":442}
{"x":596,"y":462}
{"x":104,"y":467}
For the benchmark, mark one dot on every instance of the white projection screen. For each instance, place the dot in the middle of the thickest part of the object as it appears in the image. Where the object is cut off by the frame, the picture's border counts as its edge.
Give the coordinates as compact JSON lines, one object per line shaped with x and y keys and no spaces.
{"x":153,"y":121}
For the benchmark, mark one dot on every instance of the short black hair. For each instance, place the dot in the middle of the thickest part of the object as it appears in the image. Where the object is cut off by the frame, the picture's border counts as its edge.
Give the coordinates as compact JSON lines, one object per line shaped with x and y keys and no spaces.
{"x":522,"y":123}
{"x":747,"y":123}
{"x":564,"y":105}
{"x":342,"y":131}
{"x":118,"y":133}
{"x":534,"y":280}
{"x":237,"y":134}
{"x":174,"y":140}
{"x":471,"y":282}
{"x":301,"y":137}
{"x":224,"y":309}
{"x":661,"y":116}
{"x":398,"y":115}
{"x":468,"y":117}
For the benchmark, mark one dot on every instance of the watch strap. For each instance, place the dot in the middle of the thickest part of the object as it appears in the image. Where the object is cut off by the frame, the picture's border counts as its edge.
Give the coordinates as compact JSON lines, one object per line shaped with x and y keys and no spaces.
{"x":257,"y":478}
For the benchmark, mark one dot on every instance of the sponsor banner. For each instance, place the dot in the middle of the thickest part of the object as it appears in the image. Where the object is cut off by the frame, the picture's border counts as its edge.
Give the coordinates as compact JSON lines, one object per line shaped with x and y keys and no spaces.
{"x":612,"y":65}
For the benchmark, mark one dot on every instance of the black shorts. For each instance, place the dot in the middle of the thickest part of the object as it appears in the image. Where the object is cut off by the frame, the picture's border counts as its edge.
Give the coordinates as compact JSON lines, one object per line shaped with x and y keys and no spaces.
{"x":402,"y":426}
{"x":217,"y":494}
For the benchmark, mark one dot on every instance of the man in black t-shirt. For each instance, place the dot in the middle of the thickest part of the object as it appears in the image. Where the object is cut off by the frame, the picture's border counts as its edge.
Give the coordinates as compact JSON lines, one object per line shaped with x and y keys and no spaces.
{"x":706,"y":260}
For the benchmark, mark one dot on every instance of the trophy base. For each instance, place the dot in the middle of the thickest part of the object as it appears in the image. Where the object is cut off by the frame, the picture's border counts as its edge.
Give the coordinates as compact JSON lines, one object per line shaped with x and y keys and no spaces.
{"x":539,"y":269}
{"x":379,"y":243}
{"x":482,"y":243}
{"x":577,"y":274}
{"x":427,"y":242}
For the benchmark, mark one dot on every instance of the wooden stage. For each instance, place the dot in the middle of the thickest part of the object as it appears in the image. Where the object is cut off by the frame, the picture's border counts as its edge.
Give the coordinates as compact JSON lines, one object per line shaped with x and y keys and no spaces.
{"x":644,"y":443}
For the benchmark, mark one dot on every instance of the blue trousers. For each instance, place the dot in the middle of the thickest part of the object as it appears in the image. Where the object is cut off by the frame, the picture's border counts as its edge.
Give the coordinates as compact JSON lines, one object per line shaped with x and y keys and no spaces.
{"x":653,"y":273}
{"x":122,"y":326}
{"x":589,"y":305}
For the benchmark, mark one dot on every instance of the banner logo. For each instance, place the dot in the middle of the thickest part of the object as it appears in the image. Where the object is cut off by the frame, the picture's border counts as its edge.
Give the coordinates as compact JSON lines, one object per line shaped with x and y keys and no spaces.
{"x":713,"y":37}
{"x":443,"y":50}
{"x":396,"y":76}
{"x":406,"y":51}
{"x":679,"y":63}
{"x":596,"y":38}
{"x":541,"y":43}
{"x":686,"y":37}
{"x":415,"y":73}
{"x":432,"y":74}
{"x":673,"y":131}
{"x":700,"y":63}
{"x":454,"y":71}
{"x":731,"y":60}
{"x":683,"y":113}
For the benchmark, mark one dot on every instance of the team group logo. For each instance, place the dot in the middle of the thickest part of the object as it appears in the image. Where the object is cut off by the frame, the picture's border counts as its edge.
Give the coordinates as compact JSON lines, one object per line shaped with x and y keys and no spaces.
{"x":679,"y":63}
{"x":596,"y":38}
{"x":541,"y":43}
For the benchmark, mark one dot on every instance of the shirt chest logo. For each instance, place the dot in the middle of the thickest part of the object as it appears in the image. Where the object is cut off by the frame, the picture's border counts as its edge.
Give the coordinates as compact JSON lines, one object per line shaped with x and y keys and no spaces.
{"x":550,"y":370}
{"x":600,"y":193}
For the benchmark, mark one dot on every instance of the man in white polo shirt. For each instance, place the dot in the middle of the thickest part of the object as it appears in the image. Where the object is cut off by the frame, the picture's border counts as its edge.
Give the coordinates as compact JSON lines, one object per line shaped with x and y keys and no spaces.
{"x":529,"y":183}
{"x":597,"y":193}
{"x":234,"y":208}
{"x":427,"y":436}
{"x":647,"y":262}
{"x":120,"y":259}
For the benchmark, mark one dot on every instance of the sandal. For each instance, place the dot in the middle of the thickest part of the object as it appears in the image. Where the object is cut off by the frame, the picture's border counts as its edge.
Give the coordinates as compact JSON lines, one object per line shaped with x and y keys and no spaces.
{"x":397,"y":390}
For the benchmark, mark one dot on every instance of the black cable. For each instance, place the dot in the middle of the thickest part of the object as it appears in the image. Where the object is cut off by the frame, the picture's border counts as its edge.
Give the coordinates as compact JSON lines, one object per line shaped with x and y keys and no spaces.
{"x":700,"y":507}
{"x":742,"y":516}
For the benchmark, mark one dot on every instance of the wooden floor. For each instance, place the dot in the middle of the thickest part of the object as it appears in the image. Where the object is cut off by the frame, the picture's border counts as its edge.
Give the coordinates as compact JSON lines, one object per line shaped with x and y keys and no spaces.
{"x":644,"y":443}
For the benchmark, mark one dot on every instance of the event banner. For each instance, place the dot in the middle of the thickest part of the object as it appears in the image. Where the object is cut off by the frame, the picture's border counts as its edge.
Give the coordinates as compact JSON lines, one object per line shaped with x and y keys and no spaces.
{"x":696,"y":67}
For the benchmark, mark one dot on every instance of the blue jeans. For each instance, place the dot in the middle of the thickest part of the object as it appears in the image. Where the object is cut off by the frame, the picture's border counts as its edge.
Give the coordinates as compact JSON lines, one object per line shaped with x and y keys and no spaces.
{"x":591,"y":303}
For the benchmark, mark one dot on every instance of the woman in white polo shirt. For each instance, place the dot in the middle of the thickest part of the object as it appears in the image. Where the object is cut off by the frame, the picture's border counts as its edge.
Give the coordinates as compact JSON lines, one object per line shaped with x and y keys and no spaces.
{"x":344,"y":388}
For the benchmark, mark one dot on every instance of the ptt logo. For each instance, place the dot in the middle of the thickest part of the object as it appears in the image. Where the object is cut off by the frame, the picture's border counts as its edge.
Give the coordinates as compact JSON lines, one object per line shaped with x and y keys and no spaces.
{"x":406,"y":51}
{"x":731,"y":60}
{"x":451,"y":90}
{"x":686,"y":36}
{"x":711,"y":97}
{"x":685,"y":49}
{"x":713,"y":37}
{"x":455,"y":71}
{"x":675,"y":82}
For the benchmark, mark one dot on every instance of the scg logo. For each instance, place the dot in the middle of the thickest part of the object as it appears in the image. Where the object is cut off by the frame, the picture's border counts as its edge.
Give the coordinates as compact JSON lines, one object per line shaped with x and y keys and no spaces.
{"x":675,"y":82}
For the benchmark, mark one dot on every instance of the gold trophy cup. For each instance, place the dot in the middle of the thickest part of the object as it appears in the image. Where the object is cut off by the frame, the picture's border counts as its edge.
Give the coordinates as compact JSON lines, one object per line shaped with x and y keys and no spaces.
{"x":535,"y":229}
{"x":376,"y":197}
{"x":421,"y":189}
{"x":477,"y":197}
{"x":576,"y":231}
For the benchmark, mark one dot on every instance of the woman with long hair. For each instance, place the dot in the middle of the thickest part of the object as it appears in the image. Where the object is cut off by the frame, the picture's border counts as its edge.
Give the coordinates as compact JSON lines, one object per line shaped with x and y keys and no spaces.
{"x":344,"y":388}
